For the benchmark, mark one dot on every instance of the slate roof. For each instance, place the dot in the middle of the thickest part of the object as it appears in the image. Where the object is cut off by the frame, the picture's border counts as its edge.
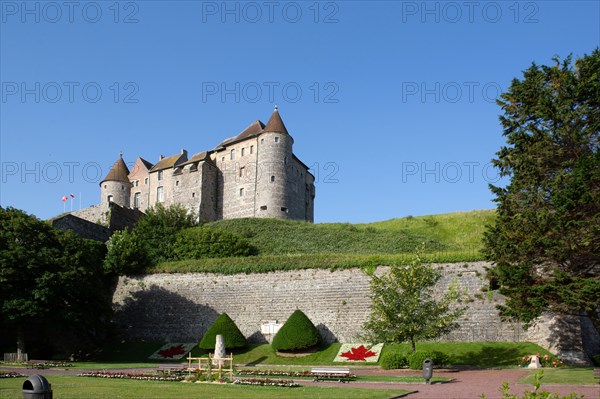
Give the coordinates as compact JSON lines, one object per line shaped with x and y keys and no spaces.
{"x":169,"y":162}
{"x":275,"y":124}
{"x":201,"y":156}
{"x":118,"y":172}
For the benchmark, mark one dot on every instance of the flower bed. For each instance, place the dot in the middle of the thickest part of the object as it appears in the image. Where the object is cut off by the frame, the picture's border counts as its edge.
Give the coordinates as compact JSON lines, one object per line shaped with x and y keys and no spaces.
{"x":132,"y":376}
{"x":58,"y":364}
{"x":11,"y":374}
{"x":283,"y":373}
{"x":266,"y":382}
{"x":545,"y":361}
{"x":278,"y":373}
{"x":358,"y":353}
{"x":172,"y":351}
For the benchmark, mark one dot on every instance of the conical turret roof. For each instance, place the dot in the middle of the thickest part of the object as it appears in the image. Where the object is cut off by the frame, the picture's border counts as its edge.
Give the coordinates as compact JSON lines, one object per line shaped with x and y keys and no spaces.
{"x":275,"y":124}
{"x":118,"y":172}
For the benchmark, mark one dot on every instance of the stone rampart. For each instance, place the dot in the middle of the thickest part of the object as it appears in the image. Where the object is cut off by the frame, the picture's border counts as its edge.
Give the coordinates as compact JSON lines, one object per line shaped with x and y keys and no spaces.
{"x":180,"y":307}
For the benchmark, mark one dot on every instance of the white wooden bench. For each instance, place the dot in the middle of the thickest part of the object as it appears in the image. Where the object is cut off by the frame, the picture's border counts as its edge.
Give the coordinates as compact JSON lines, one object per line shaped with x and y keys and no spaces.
{"x":341,"y":374}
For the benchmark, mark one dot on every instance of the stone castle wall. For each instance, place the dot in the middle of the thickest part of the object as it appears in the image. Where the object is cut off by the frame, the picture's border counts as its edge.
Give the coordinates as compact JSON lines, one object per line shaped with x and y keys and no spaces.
{"x":180,"y":307}
{"x":237,"y":171}
{"x":93,"y":214}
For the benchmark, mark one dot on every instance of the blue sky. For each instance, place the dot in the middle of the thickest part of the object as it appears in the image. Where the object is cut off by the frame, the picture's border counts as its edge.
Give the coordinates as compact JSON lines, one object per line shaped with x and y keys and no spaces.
{"x":390,"y":103}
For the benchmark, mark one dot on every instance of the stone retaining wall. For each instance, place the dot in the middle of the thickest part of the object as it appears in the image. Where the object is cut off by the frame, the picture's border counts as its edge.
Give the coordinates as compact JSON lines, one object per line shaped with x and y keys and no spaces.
{"x":180,"y":307}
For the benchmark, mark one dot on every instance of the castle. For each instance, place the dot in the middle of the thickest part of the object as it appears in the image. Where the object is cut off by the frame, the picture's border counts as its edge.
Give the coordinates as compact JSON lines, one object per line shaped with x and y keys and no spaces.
{"x":253,"y":174}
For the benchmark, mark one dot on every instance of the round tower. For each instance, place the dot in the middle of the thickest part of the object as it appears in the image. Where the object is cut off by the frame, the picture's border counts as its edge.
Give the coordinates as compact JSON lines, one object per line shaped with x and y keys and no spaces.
{"x":273,"y":159}
{"x":116,"y":186}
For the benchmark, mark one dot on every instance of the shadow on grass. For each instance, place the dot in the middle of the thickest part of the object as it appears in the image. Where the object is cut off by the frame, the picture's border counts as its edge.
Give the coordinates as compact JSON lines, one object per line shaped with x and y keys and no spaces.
{"x":491,"y":355}
{"x":256,"y":361}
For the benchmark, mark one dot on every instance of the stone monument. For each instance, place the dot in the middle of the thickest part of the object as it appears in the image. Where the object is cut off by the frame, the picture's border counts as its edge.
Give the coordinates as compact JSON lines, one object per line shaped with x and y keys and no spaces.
{"x":219,"y":350}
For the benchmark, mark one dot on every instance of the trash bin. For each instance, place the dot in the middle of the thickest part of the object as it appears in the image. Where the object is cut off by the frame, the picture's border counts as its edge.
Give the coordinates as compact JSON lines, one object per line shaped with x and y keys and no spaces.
{"x":37,"y":387}
{"x":427,"y":370}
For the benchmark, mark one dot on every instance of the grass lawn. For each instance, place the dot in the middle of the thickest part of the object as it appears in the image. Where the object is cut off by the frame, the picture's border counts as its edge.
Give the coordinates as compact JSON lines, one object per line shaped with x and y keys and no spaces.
{"x":472,"y":354}
{"x":477,"y":354}
{"x":70,"y":387}
{"x":575,"y":376}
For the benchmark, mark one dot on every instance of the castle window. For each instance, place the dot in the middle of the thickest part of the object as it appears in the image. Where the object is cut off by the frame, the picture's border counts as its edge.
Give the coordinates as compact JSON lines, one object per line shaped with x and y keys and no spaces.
{"x":243,"y":151}
{"x":146,"y":180}
{"x":160,"y":175}
{"x":242,"y":171}
{"x":232,"y":155}
{"x":263,"y":208}
{"x":177,"y":183}
{"x":136,"y":200}
{"x":109,"y":199}
{"x":262,"y":141}
{"x":193,"y":195}
{"x":122,"y":187}
{"x":277,"y":139}
{"x":160,"y":196}
{"x":137,"y":182}
{"x":285,"y":160}
{"x":284,"y":209}
{"x":222,"y":159}
{"x":105,"y":186}
{"x":251,"y":149}
{"x":241,"y":192}
{"x":272,"y":179}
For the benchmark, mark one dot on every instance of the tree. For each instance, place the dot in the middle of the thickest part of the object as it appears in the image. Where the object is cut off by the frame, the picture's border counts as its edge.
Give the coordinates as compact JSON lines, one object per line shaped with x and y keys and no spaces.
{"x":127,"y":253}
{"x":404,"y":307}
{"x":158,"y":229}
{"x":224,"y":325}
{"x":207,"y":242}
{"x":49,"y":278}
{"x":545,"y":243}
{"x":297,"y":333}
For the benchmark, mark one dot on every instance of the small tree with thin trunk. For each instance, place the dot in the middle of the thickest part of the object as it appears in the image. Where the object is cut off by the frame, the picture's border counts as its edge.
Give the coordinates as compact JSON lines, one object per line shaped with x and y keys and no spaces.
{"x":404,"y":307}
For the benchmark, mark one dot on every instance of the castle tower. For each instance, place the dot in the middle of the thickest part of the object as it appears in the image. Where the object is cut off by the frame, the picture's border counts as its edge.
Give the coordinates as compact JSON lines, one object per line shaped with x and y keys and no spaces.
{"x":116,"y":186}
{"x":274,"y":156}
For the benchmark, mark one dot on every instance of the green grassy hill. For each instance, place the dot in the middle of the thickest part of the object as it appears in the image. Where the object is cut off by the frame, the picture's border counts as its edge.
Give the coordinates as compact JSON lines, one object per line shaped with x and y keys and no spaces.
{"x":289,"y":245}
{"x":461,"y":231}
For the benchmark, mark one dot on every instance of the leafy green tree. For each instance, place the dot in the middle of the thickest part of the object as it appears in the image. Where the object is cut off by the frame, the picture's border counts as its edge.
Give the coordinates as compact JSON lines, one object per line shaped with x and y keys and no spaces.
{"x":404,"y":307}
{"x":297,"y":333}
{"x":206,"y":242}
{"x":545,"y":243}
{"x":51,"y":280}
{"x":224,"y":325}
{"x":127,"y":254}
{"x":158,"y":229}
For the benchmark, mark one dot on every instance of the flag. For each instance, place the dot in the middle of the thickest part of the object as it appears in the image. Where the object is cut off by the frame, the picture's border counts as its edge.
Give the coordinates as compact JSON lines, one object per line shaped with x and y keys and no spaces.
{"x":64,"y":198}
{"x":72,"y":196}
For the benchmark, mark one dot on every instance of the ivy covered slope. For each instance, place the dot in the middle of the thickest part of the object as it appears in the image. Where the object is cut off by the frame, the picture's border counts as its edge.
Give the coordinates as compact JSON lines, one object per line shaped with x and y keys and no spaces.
{"x":290,"y":245}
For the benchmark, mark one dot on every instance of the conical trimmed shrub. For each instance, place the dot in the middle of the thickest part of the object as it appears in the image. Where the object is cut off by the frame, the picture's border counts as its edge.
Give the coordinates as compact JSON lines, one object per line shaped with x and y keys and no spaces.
{"x":232,"y":336}
{"x":297,"y":333}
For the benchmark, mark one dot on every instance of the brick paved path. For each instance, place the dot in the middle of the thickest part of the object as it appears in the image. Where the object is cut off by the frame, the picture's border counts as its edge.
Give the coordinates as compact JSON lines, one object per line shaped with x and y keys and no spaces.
{"x":468,"y":384}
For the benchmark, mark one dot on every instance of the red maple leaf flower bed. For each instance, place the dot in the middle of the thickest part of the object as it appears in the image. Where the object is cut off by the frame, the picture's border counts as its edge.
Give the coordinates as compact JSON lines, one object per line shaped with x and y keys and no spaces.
{"x":172,"y":351}
{"x":360,"y":353}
